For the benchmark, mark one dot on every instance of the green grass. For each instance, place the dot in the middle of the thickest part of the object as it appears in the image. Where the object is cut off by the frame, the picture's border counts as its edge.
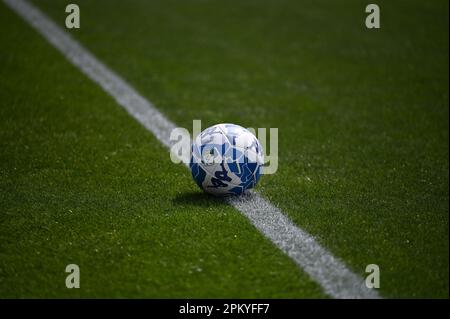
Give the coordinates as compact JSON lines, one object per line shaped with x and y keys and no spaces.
{"x":81,"y":182}
{"x":363,"y":126}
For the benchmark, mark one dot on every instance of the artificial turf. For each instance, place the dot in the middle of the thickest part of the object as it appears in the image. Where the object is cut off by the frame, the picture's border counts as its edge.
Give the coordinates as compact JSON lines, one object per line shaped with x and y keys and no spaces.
{"x":363,"y":141}
{"x":82,"y":182}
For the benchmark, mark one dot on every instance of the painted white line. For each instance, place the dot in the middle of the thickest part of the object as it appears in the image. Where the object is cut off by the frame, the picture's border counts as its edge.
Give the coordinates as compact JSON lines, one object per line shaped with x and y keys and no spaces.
{"x":334,"y":277}
{"x":331,"y":273}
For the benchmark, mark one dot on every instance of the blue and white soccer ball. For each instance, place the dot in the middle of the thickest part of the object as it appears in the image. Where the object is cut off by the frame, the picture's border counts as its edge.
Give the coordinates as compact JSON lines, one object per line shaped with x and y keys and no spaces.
{"x":226,"y":159}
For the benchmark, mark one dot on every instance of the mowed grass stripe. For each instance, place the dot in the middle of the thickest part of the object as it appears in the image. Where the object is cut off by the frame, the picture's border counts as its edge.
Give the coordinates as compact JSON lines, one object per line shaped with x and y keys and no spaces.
{"x":334,"y":277}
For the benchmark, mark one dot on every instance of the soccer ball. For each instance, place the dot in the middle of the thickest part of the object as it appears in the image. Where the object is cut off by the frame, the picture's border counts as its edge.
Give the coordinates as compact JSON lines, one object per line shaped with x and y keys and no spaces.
{"x":226,"y":159}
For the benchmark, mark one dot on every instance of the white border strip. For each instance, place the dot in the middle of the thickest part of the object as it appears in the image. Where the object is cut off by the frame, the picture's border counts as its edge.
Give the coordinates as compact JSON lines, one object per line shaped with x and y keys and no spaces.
{"x":331,"y":273}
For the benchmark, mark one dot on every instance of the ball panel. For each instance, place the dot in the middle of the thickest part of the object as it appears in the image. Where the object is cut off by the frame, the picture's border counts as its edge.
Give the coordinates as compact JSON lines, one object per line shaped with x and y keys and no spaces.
{"x":226,"y":159}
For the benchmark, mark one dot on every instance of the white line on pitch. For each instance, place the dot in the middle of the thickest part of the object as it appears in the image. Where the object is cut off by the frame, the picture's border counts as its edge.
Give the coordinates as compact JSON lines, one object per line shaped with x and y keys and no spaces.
{"x":331,"y":273}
